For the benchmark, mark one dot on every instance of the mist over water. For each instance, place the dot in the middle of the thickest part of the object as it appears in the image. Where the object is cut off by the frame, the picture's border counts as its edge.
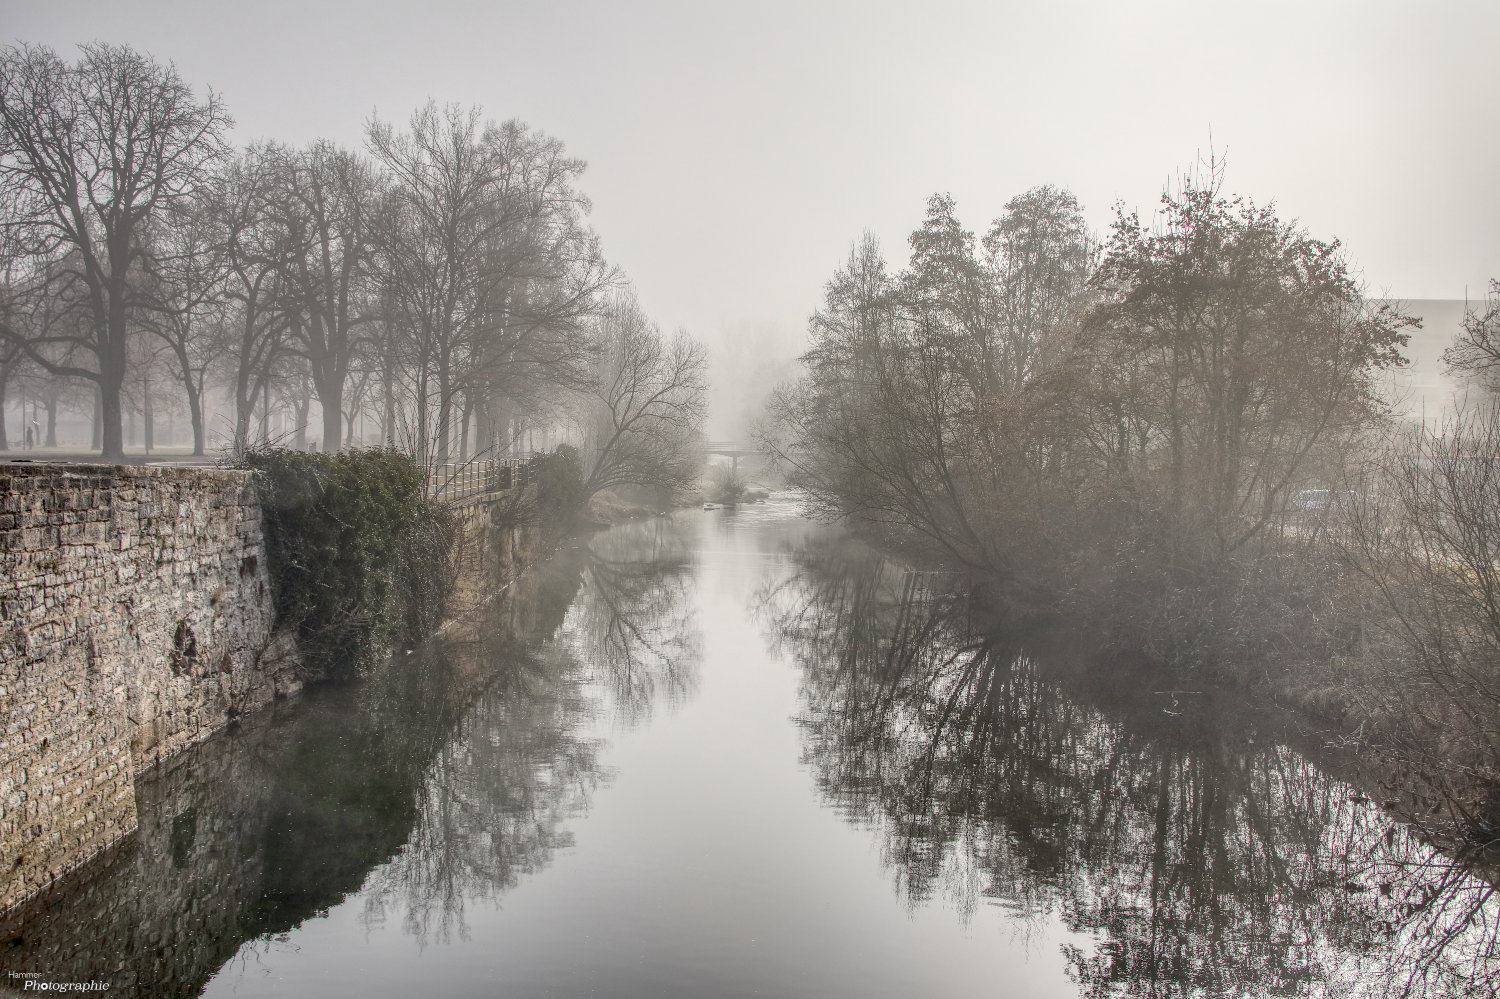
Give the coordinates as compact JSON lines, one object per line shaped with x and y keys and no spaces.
{"x":735,"y":753}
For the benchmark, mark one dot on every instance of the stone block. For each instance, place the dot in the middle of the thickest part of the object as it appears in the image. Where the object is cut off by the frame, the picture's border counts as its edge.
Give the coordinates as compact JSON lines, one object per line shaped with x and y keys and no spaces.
{"x":37,"y":538}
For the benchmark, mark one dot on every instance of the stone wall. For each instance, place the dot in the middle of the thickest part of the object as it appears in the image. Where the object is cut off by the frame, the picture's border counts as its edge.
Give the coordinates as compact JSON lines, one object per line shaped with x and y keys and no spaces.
{"x":167,"y":909}
{"x":135,"y":619}
{"x":261,"y":827}
{"x":499,"y":537}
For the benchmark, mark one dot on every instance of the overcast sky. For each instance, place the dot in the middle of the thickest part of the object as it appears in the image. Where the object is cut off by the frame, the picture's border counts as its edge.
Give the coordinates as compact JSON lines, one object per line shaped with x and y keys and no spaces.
{"x":736,"y":150}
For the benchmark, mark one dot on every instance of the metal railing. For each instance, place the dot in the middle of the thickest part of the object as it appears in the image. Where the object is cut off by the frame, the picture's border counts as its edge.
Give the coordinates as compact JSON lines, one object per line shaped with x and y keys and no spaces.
{"x":451,"y":481}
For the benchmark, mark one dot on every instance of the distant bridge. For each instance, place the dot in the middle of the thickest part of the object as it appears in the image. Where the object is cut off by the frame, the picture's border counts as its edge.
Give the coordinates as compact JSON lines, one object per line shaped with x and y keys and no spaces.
{"x":732,"y":450}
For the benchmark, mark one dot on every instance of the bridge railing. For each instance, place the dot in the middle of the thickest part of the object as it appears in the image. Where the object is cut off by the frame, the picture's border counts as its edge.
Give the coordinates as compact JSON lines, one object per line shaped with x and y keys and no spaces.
{"x":731,"y":449}
{"x":456,"y":480}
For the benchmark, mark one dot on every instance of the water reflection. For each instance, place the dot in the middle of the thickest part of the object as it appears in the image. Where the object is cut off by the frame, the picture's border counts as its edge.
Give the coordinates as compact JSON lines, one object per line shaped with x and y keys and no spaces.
{"x":635,"y":623}
{"x":438,"y":783}
{"x":1186,"y":848}
{"x":1203,"y":856}
{"x":494,"y":799}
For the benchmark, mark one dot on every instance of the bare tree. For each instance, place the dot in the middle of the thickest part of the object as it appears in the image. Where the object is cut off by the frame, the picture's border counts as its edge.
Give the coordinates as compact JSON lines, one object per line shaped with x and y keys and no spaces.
{"x":187,"y":266}
{"x":89,"y":153}
{"x":252,"y":329}
{"x":323,"y":201}
{"x":643,"y":417}
{"x":1425,"y":534}
{"x":947,"y":293}
{"x":11,"y":316}
{"x":439,"y":213}
{"x":8,"y":356}
{"x":489,"y":271}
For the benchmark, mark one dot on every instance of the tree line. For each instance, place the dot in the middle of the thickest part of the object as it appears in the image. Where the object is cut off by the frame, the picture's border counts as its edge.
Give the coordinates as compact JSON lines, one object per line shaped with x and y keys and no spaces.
{"x":441,"y":282}
{"x":1178,"y":434}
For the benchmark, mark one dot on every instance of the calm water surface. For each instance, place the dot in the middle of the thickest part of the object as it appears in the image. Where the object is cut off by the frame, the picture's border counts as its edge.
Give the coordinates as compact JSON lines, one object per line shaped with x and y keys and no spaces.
{"x":731,"y":754}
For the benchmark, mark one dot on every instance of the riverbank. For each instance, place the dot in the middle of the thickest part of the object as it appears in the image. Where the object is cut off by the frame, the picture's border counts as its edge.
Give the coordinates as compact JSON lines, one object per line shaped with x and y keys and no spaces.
{"x":1301,"y":635}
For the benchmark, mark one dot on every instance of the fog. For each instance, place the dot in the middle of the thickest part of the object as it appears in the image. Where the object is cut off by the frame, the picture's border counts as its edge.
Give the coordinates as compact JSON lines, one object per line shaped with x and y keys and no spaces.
{"x":1157,"y":345}
{"x":734,"y":153}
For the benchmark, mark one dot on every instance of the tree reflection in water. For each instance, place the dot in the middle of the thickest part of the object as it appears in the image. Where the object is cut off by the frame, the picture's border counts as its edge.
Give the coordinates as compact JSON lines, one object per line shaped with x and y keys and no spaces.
{"x":493,"y":802}
{"x":1205,"y":856}
{"x":634,"y":623}
{"x":435,"y":783}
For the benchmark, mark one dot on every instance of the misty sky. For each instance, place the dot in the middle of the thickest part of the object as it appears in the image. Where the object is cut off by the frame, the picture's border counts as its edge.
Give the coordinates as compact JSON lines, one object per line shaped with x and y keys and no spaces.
{"x":736,"y":150}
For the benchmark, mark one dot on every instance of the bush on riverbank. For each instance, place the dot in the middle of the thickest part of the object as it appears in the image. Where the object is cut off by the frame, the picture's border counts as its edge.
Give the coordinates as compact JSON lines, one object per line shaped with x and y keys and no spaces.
{"x":1424,"y":539}
{"x":358,"y":556}
{"x":560,"y":490}
{"x":1162,"y":438}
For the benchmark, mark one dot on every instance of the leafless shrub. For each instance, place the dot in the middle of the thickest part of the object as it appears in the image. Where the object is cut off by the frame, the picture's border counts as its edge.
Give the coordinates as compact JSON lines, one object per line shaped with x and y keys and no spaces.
{"x":1427,"y":541}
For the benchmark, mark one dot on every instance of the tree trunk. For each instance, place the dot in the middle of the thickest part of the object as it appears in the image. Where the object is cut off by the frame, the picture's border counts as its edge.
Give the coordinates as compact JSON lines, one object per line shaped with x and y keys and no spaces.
{"x":424,"y":454}
{"x":244,"y":411}
{"x":388,"y":410}
{"x":52,"y":417}
{"x":332,"y":401}
{"x":194,"y":390}
{"x":4,"y":439}
{"x":195,"y":413}
{"x":111,"y":414}
{"x":97,"y":427}
{"x":484,"y":426}
{"x":444,"y":418}
{"x":304,"y":406}
{"x":501,"y":413}
{"x":148,"y":424}
{"x":463,"y":434}
{"x":112,"y":357}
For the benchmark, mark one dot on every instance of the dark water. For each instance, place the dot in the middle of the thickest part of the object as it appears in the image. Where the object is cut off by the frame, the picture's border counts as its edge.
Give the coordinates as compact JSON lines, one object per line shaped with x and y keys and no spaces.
{"x":729,"y":754}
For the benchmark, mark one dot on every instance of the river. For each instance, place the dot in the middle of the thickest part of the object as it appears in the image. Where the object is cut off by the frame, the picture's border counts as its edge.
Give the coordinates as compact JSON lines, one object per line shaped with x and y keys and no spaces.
{"x":733,"y":753}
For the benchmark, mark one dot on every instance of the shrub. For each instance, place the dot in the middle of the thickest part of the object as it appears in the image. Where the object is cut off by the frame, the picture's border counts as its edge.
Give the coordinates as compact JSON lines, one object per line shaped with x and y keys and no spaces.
{"x":560,"y":488}
{"x":354,"y":551}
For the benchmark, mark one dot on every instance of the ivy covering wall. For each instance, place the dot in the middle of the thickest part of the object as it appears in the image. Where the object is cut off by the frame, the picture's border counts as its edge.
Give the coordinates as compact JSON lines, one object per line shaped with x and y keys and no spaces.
{"x":358,"y":555}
